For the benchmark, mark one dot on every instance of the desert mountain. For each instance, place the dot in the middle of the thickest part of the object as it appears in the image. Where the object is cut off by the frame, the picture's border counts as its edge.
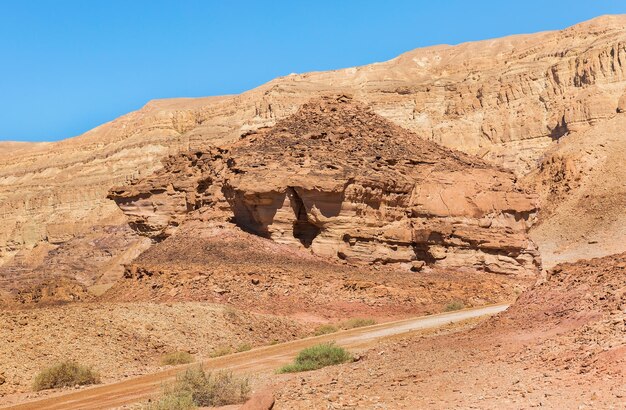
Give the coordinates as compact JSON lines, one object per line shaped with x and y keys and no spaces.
{"x":508,"y":100}
{"x":450,"y":177}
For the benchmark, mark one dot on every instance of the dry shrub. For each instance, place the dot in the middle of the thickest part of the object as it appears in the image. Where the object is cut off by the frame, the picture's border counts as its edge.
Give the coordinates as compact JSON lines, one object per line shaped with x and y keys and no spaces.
{"x":454,"y":305}
{"x":325,"y":330}
{"x":221,"y":351}
{"x":173,"y":400}
{"x":195,"y":387}
{"x":176,"y":358}
{"x":244,"y":347}
{"x":65,"y":374}
{"x":357,"y":322}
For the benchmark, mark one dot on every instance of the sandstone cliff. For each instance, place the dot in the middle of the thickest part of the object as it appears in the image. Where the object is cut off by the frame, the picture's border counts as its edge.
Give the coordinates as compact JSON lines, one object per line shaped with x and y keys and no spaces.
{"x":506,"y":100}
{"x":346,"y":183}
{"x":582,"y":179}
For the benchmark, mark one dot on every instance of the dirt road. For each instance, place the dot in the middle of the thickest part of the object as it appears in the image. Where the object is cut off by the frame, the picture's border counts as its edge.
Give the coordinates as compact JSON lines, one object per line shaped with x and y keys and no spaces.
{"x":256,"y":360}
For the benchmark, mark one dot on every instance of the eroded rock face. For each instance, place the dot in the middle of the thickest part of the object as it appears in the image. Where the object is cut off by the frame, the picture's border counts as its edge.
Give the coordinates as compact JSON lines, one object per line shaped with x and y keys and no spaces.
{"x":346,"y":183}
{"x":506,"y":100}
{"x":78,"y":269}
{"x":582,"y":184}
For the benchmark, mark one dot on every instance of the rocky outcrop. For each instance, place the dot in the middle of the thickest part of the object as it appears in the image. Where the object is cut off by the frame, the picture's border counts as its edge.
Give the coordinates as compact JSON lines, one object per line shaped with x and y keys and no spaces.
{"x":344,"y":182}
{"x":507,"y":100}
{"x":78,"y":269}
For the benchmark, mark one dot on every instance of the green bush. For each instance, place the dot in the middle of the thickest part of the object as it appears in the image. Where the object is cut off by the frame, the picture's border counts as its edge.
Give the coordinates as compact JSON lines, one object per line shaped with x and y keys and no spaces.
{"x":175,"y":358}
{"x":65,"y":374}
{"x":316,"y":357}
{"x":454,"y":305}
{"x":357,"y":322}
{"x":325,"y":330}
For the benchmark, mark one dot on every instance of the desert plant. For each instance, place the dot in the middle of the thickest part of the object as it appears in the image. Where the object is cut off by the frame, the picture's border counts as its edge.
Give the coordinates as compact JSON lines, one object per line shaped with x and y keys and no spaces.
{"x":221,"y":351}
{"x":454,"y":305}
{"x":65,"y":374}
{"x":173,"y":400}
{"x":325,"y":330}
{"x":197,"y":388}
{"x":316,"y":357}
{"x":357,"y":322}
{"x":244,"y":347}
{"x":230,"y":313}
{"x":176,"y":358}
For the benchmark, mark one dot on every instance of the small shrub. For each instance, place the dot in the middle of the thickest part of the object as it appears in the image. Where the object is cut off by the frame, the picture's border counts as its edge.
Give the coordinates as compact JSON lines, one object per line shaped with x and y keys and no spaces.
{"x":357,"y":322}
{"x":220,"y":389}
{"x":176,"y":358}
{"x":173,"y":400}
{"x":65,"y":374}
{"x":454,"y":305}
{"x":325,"y":330}
{"x":230,"y":313}
{"x":244,"y":347}
{"x":274,"y":342}
{"x":195,"y":387}
{"x":316,"y":357}
{"x":221,"y":351}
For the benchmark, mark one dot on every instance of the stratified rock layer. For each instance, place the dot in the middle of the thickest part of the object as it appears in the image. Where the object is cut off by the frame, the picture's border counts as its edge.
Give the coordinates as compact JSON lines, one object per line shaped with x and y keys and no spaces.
{"x":506,"y":100}
{"x":582,"y":184}
{"x":346,"y":183}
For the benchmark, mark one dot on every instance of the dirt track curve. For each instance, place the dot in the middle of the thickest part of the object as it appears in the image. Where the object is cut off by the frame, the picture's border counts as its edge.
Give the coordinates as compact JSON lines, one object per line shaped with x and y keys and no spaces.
{"x":256,"y":360}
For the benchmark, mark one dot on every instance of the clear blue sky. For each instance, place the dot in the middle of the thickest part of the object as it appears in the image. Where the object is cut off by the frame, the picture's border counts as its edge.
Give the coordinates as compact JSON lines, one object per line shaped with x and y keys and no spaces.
{"x":68,"y":66}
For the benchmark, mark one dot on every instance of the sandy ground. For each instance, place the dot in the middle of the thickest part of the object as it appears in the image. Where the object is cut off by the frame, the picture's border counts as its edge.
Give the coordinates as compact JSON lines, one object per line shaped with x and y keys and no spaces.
{"x":562,"y":345}
{"x":121,"y":340}
{"x":260,"y":362}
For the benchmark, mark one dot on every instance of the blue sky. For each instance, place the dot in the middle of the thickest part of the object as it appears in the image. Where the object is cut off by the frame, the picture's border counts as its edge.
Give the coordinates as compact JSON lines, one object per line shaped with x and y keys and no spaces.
{"x":68,"y":66}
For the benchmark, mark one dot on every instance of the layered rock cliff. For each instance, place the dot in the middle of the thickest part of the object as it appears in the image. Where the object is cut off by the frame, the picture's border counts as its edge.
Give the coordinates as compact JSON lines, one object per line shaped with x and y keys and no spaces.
{"x":507,"y":100}
{"x":346,"y":183}
{"x":582,"y":179}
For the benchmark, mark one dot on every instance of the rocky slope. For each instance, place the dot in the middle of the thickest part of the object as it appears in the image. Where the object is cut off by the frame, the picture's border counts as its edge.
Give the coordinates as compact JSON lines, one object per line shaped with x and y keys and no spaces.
{"x":78,"y":269}
{"x":506,"y":100}
{"x":561,"y":345}
{"x":122,"y":340}
{"x":346,"y":183}
{"x":219,"y":263}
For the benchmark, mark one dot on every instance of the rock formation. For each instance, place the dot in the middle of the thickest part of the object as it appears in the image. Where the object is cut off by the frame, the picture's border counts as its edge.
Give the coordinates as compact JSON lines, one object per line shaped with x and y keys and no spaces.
{"x":507,"y":100}
{"x":346,"y":183}
{"x":582,"y":184}
{"x":77,"y":269}
{"x":216,"y":262}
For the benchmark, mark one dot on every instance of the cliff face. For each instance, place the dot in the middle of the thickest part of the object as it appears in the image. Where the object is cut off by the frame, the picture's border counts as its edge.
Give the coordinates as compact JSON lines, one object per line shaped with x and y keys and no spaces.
{"x":583,"y":181}
{"x":506,"y":100}
{"x":346,"y":183}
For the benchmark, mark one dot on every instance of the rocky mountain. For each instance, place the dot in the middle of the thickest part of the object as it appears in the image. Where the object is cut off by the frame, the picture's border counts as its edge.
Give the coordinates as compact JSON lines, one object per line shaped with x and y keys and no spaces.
{"x":508,"y":100}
